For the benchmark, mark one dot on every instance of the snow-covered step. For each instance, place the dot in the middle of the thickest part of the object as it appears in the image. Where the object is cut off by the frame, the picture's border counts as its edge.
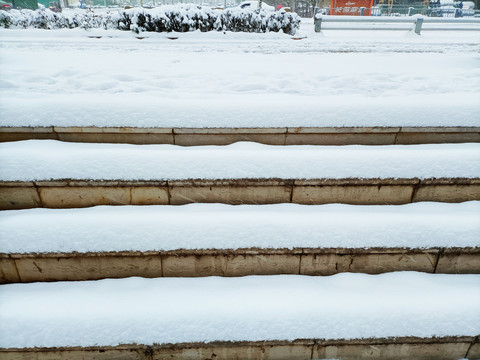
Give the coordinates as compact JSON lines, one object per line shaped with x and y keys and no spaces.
{"x":57,"y":174}
{"x":225,"y":240}
{"x":364,"y":135}
{"x":396,"y":315}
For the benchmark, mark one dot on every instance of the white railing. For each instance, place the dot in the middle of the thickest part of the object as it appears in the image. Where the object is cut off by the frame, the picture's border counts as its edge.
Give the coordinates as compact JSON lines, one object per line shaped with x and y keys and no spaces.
{"x":391,"y":23}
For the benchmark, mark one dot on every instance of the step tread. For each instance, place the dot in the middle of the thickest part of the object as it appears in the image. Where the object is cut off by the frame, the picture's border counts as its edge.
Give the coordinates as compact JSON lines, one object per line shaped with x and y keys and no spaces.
{"x":227,"y":227}
{"x":44,"y":160}
{"x":159,"y":311}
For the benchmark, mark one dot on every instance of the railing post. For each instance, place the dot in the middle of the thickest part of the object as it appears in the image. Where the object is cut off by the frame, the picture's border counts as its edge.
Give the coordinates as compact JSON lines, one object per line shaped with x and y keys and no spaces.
{"x":418,"y":25}
{"x":362,"y":11}
{"x":318,"y":25}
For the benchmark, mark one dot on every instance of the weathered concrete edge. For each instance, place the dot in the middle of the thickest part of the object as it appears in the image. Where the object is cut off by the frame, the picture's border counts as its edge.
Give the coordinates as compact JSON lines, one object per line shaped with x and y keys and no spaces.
{"x":251,"y":251}
{"x":46,"y":267}
{"x":242,"y":182}
{"x":296,"y":349}
{"x":272,"y":136}
{"x":68,"y":193}
{"x":242,"y":130}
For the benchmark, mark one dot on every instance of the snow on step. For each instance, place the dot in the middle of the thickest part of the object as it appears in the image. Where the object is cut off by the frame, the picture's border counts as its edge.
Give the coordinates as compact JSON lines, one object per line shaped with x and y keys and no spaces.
{"x":409,"y":84}
{"x":218,"y":226}
{"x":240,"y":110}
{"x":148,"y":311}
{"x":44,"y":160}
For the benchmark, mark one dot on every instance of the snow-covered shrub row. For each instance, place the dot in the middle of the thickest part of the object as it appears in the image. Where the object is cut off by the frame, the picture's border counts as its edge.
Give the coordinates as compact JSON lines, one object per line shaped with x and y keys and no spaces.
{"x":162,"y":19}
{"x":205,"y":19}
{"x":46,"y":19}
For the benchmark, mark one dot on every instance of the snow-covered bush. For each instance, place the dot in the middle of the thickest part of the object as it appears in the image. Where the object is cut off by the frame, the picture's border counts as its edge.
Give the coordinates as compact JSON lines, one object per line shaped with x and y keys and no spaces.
{"x":179,"y":18}
{"x":46,"y":19}
{"x":5,"y":20}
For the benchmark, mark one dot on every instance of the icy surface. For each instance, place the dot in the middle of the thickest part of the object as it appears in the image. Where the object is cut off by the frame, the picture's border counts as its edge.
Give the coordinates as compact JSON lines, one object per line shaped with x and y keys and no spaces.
{"x":337,"y":78}
{"x":169,"y":310}
{"x":48,"y":159}
{"x":217,"y":226}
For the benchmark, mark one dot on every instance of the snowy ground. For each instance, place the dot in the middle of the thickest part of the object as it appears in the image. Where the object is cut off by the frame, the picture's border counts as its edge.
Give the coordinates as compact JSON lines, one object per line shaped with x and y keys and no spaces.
{"x":49,"y":159}
{"x":172,"y":310}
{"x":218,"y":226}
{"x":336,"y":78}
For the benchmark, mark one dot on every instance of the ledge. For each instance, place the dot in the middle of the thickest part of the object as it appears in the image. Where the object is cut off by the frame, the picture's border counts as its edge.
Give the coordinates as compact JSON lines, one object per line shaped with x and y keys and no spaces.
{"x":224,"y":136}
{"x":449,"y":347}
{"x":243,"y":182}
{"x":68,"y":193}
{"x":31,"y":267}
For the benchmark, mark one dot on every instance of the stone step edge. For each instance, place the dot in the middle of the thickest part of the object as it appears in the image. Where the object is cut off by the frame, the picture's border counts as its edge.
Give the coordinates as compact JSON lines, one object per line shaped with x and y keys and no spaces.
{"x":70,"y":193}
{"x":270,"y":136}
{"x":446,"y":347}
{"x":32,"y":267}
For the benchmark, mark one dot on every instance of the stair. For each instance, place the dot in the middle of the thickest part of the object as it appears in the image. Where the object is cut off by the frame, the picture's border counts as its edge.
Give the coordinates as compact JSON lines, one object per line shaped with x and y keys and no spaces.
{"x":201,"y":240}
{"x":190,"y":313}
{"x":70,"y":241}
{"x":63,"y":175}
{"x":184,"y":238}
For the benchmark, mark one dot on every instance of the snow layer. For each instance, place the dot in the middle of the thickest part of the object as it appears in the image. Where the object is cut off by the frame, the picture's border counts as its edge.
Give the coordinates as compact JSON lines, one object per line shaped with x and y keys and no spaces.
{"x":48,"y":159}
{"x":169,"y":310}
{"x":217,"y":226}
{"x":339,"y":78}
{"x":249,"y":109}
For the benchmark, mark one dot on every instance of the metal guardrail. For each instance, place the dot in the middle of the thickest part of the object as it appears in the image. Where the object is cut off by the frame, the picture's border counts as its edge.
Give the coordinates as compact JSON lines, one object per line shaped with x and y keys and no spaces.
{"x":433,"y":10}
{"x":371,"y":22}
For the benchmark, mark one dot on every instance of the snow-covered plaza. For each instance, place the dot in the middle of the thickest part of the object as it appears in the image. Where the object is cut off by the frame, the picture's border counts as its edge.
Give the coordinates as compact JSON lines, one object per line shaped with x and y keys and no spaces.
{"x":97,"y":77}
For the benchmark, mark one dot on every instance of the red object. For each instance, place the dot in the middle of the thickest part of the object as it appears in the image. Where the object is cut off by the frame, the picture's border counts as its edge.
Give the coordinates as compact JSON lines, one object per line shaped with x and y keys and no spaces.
{"x":279,"y":7}
{"x":350,"y":7}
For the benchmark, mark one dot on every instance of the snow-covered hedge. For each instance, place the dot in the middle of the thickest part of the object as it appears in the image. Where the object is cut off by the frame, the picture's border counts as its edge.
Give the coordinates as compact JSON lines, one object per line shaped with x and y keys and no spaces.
{"x":162,"y":19}
{"x":46,"y":19}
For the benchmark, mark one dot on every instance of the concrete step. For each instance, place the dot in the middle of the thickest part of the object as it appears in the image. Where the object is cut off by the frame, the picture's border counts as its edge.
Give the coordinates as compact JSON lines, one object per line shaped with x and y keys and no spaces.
{"x":81,"y":193}
{"x":25,"y":268}
{"x":270,"y":136}
{"x":221,"y":240}
{"x":346,"y":316}
{"x":397,"y":348}
{"x":57,"y":174}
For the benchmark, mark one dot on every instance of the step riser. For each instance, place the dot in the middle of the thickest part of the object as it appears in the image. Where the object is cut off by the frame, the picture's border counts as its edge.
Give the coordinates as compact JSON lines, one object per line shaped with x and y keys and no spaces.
{"x":268,"y":136}
{"x":18,"y":195}
{"x":94,"y":266}
{"x":449,"y":348}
